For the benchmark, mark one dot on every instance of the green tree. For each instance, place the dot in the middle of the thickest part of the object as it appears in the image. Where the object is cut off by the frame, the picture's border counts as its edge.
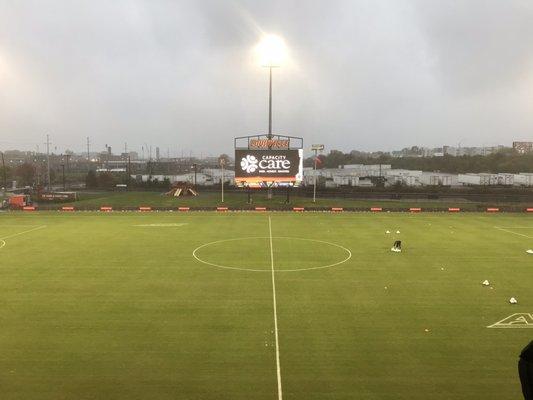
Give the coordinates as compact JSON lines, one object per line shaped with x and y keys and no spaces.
{"x":91,"y":180}
{"x":226,"y":159}
{"x":106,"y":180}
{"x":25,"y":174}
{"x":5,"y":173}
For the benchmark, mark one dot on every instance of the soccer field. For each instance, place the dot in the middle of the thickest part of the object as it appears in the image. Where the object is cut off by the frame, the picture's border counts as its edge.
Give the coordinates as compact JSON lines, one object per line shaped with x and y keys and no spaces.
{"x":251,"y":305}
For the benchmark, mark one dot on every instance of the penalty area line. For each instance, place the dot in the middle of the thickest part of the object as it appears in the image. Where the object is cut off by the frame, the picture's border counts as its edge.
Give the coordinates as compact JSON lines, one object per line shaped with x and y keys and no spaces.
{"x":514,"y":233}
{"x":22,"y":233}
{"x":278,"y":368}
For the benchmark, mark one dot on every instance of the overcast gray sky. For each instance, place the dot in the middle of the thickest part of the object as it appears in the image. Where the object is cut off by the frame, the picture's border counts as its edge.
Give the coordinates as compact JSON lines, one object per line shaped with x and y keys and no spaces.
{"x":179,"y":74}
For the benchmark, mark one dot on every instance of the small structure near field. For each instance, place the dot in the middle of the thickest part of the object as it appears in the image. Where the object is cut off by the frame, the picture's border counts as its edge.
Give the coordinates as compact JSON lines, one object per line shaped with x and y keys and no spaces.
{"x":182,"y":189}
{"x":18,"y":201}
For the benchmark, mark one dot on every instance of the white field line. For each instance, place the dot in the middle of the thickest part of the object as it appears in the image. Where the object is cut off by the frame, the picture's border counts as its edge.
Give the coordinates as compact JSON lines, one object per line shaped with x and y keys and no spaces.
{"x":278,"y":369}
{"x":163,"y":225}
{"x":516,"y":227}
{"x":22,"y":233}
{"x":499,"y":322}
{"x":17,"y":225}
{"x":514,"y":233}
{"x":198,"y":258}
{"x":509,"y":326}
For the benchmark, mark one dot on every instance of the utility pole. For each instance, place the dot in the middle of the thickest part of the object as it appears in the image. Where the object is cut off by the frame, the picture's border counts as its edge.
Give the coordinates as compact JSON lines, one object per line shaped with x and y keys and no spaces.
{"x":222,"y":164}
{"x":316,"y":148}
{"x":195,"y":169}
{"x":4,"y":171}
{"x":314,"y":176}
{"x":129,"y":168}
{"x":88,"y":154}
{"x":48,"y":161}
{"x":64,"y":182}
{"x":67,"y":156}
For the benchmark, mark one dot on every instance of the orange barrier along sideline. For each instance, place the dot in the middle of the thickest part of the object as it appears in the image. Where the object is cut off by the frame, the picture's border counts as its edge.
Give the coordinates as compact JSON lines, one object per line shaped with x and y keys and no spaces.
{"x":493,"y":209}
{"x":222,"y":208}
{"x":376,"y":209}
{"x":337,"y":209}
{"x":29,"y":208}
{"x":67,"y":208}
{"x":145,"y":208}
{"x":415,"y":209}
{"x":260,"y":208}
{"x":298,"y":209}
{"x":454,"y":209}
{"x":183,"y":208}
{"x":106,"y":209}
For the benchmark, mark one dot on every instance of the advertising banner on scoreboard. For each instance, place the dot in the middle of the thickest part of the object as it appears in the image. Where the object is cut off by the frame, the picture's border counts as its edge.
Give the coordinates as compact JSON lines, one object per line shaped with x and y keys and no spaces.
{"x":259,"y":168}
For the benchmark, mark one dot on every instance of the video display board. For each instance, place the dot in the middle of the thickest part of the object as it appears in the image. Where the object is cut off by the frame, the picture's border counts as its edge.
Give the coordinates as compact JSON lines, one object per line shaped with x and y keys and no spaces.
{"x":268,"y":168}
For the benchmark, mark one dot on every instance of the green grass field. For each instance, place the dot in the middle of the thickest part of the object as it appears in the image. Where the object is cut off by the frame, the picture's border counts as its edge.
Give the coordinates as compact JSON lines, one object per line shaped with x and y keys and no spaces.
{"x":115,"y":306}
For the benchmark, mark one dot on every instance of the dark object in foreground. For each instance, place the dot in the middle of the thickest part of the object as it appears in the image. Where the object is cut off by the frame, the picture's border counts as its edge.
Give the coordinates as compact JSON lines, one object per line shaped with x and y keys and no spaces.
{"x":397,"y":247}
{"x":525,"y":370}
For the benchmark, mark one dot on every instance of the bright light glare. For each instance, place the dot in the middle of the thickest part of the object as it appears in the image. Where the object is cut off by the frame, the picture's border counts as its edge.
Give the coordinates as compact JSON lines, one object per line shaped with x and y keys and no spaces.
{"x":271,"y":51}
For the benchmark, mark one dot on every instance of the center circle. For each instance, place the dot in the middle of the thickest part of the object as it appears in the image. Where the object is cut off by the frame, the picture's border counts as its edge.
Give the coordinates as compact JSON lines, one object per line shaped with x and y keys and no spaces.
{"x":290,"y":254}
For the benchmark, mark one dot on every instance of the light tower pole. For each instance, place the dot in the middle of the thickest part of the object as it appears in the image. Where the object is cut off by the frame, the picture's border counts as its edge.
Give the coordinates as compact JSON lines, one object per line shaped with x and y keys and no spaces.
{"x":270,"y":102}
{"x":271,"y":51}
{"x":269,"y":136}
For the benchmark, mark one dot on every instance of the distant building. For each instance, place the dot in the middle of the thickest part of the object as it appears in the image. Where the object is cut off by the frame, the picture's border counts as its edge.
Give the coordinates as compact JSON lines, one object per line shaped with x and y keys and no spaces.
{"x":523,"y":147}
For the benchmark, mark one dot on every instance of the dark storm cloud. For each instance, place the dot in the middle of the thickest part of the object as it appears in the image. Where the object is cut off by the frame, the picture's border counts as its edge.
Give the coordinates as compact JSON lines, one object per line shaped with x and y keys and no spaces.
{"x":179,"y":74}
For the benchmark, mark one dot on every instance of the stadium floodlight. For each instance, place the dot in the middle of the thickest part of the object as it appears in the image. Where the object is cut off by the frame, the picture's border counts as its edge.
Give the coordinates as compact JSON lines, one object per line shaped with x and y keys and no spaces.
{"x":272,"y":53}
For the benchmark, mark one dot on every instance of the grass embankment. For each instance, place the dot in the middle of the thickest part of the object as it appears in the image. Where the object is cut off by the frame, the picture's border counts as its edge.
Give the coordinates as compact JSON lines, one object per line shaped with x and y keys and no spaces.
{"x":259,"y":199}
